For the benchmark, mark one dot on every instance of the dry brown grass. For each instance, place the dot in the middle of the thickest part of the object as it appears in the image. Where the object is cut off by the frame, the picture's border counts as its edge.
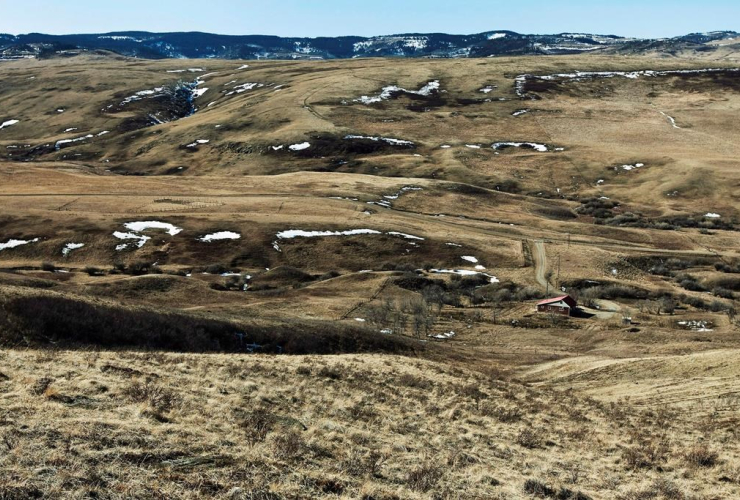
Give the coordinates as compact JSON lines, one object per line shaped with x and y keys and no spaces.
{"x":513,"y":406}
{"x":123,"y":425}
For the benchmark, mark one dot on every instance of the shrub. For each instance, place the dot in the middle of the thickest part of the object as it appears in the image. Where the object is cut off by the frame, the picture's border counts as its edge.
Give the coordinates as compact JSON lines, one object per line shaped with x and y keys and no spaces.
{"x":529,"y":438}
{"x":94,"y":271}
{"x":216,"y":269}
{"x":289,"y":446}
{"x":48,"y":266}
{"x":723,"y":293}
{"x":701,"y":455}
{"x":645,"y":455}
{"x":538,"y":488}
{"x":359,"y":464}
{"x":257,"y":424}
{"x":424,"y":478}
{"x":63,"y":322}
{"x":329,"y":372}
{"x":159,"y":398}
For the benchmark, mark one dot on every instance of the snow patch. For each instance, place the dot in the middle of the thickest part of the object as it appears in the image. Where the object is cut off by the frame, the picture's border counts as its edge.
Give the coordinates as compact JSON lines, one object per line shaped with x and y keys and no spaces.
{"x":632,"y":167}
{"x":62,"y":142}
{"x":299,"y":147}
{"x":8,"y":123}
{"x":388,"y":92}
{"x":138,"y":227}
{"x":671,"y":120}
{"x":405,"y":236}
{"x":464,"y":272}
{"x":69,"y":247}
{"x":299,"y":233}
{"x":221,"y":235}
{"x":388,"y":140}
{"x":16,"y":243}
{"x":443,"y":336}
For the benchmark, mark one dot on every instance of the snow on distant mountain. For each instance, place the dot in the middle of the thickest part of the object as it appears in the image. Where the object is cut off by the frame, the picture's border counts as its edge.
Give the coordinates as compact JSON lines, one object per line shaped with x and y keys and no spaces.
{"x":438,"y":45}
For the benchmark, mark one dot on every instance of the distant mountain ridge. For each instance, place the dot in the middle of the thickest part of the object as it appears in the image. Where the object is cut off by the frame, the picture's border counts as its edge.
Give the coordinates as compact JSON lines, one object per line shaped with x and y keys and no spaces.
{"x":206,"y":45}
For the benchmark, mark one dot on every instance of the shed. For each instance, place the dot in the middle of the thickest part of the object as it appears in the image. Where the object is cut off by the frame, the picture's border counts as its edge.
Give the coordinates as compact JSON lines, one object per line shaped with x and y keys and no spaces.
{"x":563,"y":304}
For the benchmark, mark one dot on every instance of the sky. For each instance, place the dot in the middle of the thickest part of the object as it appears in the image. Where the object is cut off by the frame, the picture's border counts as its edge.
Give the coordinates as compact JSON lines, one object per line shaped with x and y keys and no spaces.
{"x":638,"y":18}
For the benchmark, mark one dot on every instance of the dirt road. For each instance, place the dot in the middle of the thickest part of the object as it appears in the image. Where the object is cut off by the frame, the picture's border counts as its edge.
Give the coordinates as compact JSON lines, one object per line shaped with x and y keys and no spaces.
{"x":539,"y":258}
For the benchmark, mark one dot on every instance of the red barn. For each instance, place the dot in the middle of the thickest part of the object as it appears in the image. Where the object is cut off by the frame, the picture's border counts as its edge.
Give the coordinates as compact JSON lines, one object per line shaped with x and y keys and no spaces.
{"x":557,"y":305}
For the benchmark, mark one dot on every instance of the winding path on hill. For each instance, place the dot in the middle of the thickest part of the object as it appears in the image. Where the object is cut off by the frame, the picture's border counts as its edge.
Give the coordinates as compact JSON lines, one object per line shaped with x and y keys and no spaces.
{"x":539,"y":259}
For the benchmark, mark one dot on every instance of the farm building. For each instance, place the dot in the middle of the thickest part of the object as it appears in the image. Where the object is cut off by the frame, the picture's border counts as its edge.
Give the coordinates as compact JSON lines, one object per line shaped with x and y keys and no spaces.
{"x":557,"y":305}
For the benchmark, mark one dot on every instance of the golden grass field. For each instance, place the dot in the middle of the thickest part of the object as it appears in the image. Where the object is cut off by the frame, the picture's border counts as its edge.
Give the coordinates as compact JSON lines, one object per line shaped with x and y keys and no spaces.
{"x":270,"y":367}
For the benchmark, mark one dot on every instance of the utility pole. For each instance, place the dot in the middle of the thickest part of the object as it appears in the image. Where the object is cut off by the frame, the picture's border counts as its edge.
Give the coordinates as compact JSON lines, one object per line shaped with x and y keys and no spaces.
{"x":557,"y":279}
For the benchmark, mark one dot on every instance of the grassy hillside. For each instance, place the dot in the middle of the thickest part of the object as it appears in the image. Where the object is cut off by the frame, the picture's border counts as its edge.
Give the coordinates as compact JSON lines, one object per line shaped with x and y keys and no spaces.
{"x":294,"y":279}
{"x":216,"y":426}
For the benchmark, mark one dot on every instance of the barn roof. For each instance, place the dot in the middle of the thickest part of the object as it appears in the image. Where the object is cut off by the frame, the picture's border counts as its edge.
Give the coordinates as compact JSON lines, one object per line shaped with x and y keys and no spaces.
{"x":566,"y":298}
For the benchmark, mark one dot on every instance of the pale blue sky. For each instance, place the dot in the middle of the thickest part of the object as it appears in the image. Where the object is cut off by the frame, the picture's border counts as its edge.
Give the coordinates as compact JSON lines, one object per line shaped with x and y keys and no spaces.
{"x":642,"y":18}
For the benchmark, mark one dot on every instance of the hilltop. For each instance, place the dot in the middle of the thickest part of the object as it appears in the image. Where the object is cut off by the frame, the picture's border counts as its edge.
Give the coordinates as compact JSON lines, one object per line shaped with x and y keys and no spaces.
{"x":436,"y":45}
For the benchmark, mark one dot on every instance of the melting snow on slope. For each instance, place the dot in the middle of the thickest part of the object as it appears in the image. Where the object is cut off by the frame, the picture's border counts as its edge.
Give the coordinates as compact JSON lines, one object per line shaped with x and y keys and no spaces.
{"x":387,"y":92}
{"x":221,"y":235}
{"x":144,"y":225}
{"x":386,"y":203}
{"x":532,"y":145}
{"x":299,"y":233}
{"x":487,"y":89}
{"x":521,"y":80}
{"x":671,"y":120}
{"x":299,"y":147}
{"x":469,"y":258}
{"x":8,"y":123}
{"x":60,"y":143}
{"x":199,"y":92}
{"x":69,"y":247}
{"x":632,"y":167}
{"x":696,"y":325}
{"x":442,"y":336}
{"x":464,"y":272}
{"x":140,"y":239}
{"x":391,"y":141}
{"x":142,"y":94}
{"x":238,"y":89}
{"x":197,"y":143}
{"x":405,"y":236}
{"x":16,"y":243}
{"x":712,"y":215}
{"x":136,"y":228}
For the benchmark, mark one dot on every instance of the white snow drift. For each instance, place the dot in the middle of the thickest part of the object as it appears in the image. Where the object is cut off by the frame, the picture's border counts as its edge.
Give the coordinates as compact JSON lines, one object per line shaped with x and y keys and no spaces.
{"x":221,"y":235}
{"x":16,"y":243}
{"x":8,"y":123}
{"x":387,"y":92}
{"x":136,"y":228}
{"x":69,"y":247}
